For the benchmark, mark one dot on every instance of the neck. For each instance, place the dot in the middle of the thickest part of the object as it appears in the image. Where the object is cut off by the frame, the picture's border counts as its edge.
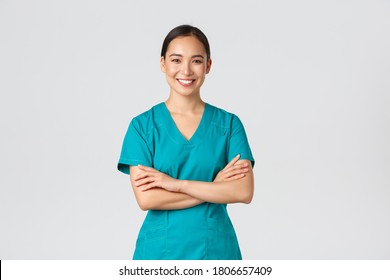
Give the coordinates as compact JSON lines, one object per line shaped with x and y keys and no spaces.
{"x":184,"y":104}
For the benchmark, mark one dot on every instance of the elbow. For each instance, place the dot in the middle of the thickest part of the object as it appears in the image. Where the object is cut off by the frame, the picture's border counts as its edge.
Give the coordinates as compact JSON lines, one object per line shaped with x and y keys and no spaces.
{"x":143,"y":207}
{"x":247,"y":198}
{"x":247,"y":195}
{"x":246,"y":189}
{"x":147,"y":201}
{"x":144,"y":204}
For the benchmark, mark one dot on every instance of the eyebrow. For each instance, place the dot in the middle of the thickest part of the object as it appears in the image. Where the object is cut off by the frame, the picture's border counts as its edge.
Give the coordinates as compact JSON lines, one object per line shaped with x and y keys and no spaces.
{"x":197,"y":55}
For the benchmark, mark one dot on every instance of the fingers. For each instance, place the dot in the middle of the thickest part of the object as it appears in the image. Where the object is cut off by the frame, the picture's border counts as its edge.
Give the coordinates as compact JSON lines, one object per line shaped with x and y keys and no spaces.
{"x":236,"y":167}
{"x":144,"y":175}
{"x":235,"y":177}
{"x":148,"y":186}
{"x":150,"y":178}
{"x":146,"y":172}
{"x":144,"y":181}
{"x":236,"y":171}
{"x":233,"y":161}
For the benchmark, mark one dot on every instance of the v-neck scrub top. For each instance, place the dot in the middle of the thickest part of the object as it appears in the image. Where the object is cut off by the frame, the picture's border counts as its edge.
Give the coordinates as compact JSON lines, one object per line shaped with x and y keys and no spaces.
{"x":202,"y":232}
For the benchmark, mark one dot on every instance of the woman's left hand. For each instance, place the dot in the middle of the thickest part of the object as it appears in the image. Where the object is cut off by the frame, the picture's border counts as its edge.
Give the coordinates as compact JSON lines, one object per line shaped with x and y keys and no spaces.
{"x":152,"y":178}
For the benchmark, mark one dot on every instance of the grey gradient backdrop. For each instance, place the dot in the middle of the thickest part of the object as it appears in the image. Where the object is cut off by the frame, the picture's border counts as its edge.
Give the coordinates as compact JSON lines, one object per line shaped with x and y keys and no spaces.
{"x":309,"y":80}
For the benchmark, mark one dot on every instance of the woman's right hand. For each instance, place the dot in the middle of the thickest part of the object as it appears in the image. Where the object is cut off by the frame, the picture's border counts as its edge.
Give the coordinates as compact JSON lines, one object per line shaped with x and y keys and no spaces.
{"x":232,"y":171}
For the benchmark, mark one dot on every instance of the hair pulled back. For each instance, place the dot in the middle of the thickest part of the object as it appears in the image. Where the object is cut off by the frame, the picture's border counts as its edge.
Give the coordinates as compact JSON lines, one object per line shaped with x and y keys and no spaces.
{"x":185,"y":30}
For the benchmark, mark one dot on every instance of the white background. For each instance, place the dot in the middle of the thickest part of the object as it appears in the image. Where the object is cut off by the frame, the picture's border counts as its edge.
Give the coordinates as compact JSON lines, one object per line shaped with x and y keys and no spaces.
{"x":309,"y":80}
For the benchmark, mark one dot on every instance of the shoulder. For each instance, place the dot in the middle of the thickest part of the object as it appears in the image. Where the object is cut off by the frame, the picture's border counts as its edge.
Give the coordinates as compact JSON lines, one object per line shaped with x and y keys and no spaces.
{"x":224,"y":118}
{"x":145,"y":122}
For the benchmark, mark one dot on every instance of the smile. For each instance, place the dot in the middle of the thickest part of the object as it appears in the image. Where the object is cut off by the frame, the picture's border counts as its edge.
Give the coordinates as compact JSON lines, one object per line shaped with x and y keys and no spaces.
{"x":185,"y":83}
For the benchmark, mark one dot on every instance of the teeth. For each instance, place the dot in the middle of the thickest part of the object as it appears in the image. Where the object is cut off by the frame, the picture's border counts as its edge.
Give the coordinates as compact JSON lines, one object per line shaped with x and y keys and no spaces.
{"x":186,"y":81}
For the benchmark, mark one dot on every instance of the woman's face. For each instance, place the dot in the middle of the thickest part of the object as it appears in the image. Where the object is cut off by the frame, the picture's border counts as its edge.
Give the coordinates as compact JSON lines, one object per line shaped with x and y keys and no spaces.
{"x":185,"y":65}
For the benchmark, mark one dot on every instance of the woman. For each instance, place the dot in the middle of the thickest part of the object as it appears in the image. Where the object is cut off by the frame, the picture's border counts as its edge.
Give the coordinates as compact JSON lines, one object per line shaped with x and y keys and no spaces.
{"x":187,"y":159}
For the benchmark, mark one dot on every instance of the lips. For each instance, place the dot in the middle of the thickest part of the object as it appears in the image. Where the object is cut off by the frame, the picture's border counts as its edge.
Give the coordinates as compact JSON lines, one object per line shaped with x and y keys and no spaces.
{"x":186,"y":82}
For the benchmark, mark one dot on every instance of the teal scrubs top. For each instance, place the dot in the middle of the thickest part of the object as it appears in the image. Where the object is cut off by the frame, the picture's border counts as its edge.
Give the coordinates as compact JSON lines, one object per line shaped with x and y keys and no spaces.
{"x":202,"y":232}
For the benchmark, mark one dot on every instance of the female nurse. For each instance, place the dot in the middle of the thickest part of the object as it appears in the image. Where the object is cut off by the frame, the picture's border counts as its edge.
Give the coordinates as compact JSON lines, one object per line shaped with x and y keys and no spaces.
{"x":187,"y":160}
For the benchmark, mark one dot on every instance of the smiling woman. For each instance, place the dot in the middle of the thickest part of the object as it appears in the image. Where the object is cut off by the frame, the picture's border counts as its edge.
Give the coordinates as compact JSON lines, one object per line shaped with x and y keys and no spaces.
{"x":186,"y":66}
{"x":187,"y":160}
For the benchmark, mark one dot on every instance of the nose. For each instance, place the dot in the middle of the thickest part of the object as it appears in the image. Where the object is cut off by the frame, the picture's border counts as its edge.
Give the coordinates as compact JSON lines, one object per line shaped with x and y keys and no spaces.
{"x":187,"y":69}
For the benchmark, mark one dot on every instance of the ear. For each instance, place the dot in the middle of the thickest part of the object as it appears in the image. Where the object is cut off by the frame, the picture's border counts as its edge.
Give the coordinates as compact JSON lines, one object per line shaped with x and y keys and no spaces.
{"x":162,"y":64}
{"x":209,"y":66}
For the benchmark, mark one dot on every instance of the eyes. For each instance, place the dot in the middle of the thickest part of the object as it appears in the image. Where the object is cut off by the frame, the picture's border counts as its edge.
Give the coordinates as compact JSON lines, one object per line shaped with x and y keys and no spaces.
{"x":178,"y":61}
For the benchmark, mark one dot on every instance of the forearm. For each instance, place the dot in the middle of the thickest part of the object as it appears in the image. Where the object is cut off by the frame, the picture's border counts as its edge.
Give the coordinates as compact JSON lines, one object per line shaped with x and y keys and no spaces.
{"x":150,"y":186}
{"x":240,"y":190}
{"x":160,"y":199}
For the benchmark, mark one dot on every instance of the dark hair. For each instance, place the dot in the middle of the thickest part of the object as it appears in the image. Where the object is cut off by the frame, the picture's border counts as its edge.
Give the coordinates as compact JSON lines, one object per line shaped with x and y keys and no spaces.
{"x":185,"y":30}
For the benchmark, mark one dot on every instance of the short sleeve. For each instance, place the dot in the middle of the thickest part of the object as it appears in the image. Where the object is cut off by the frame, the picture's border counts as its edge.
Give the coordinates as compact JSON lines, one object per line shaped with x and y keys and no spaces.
{"x":135,"y":148}
{"x":238,"y":143}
